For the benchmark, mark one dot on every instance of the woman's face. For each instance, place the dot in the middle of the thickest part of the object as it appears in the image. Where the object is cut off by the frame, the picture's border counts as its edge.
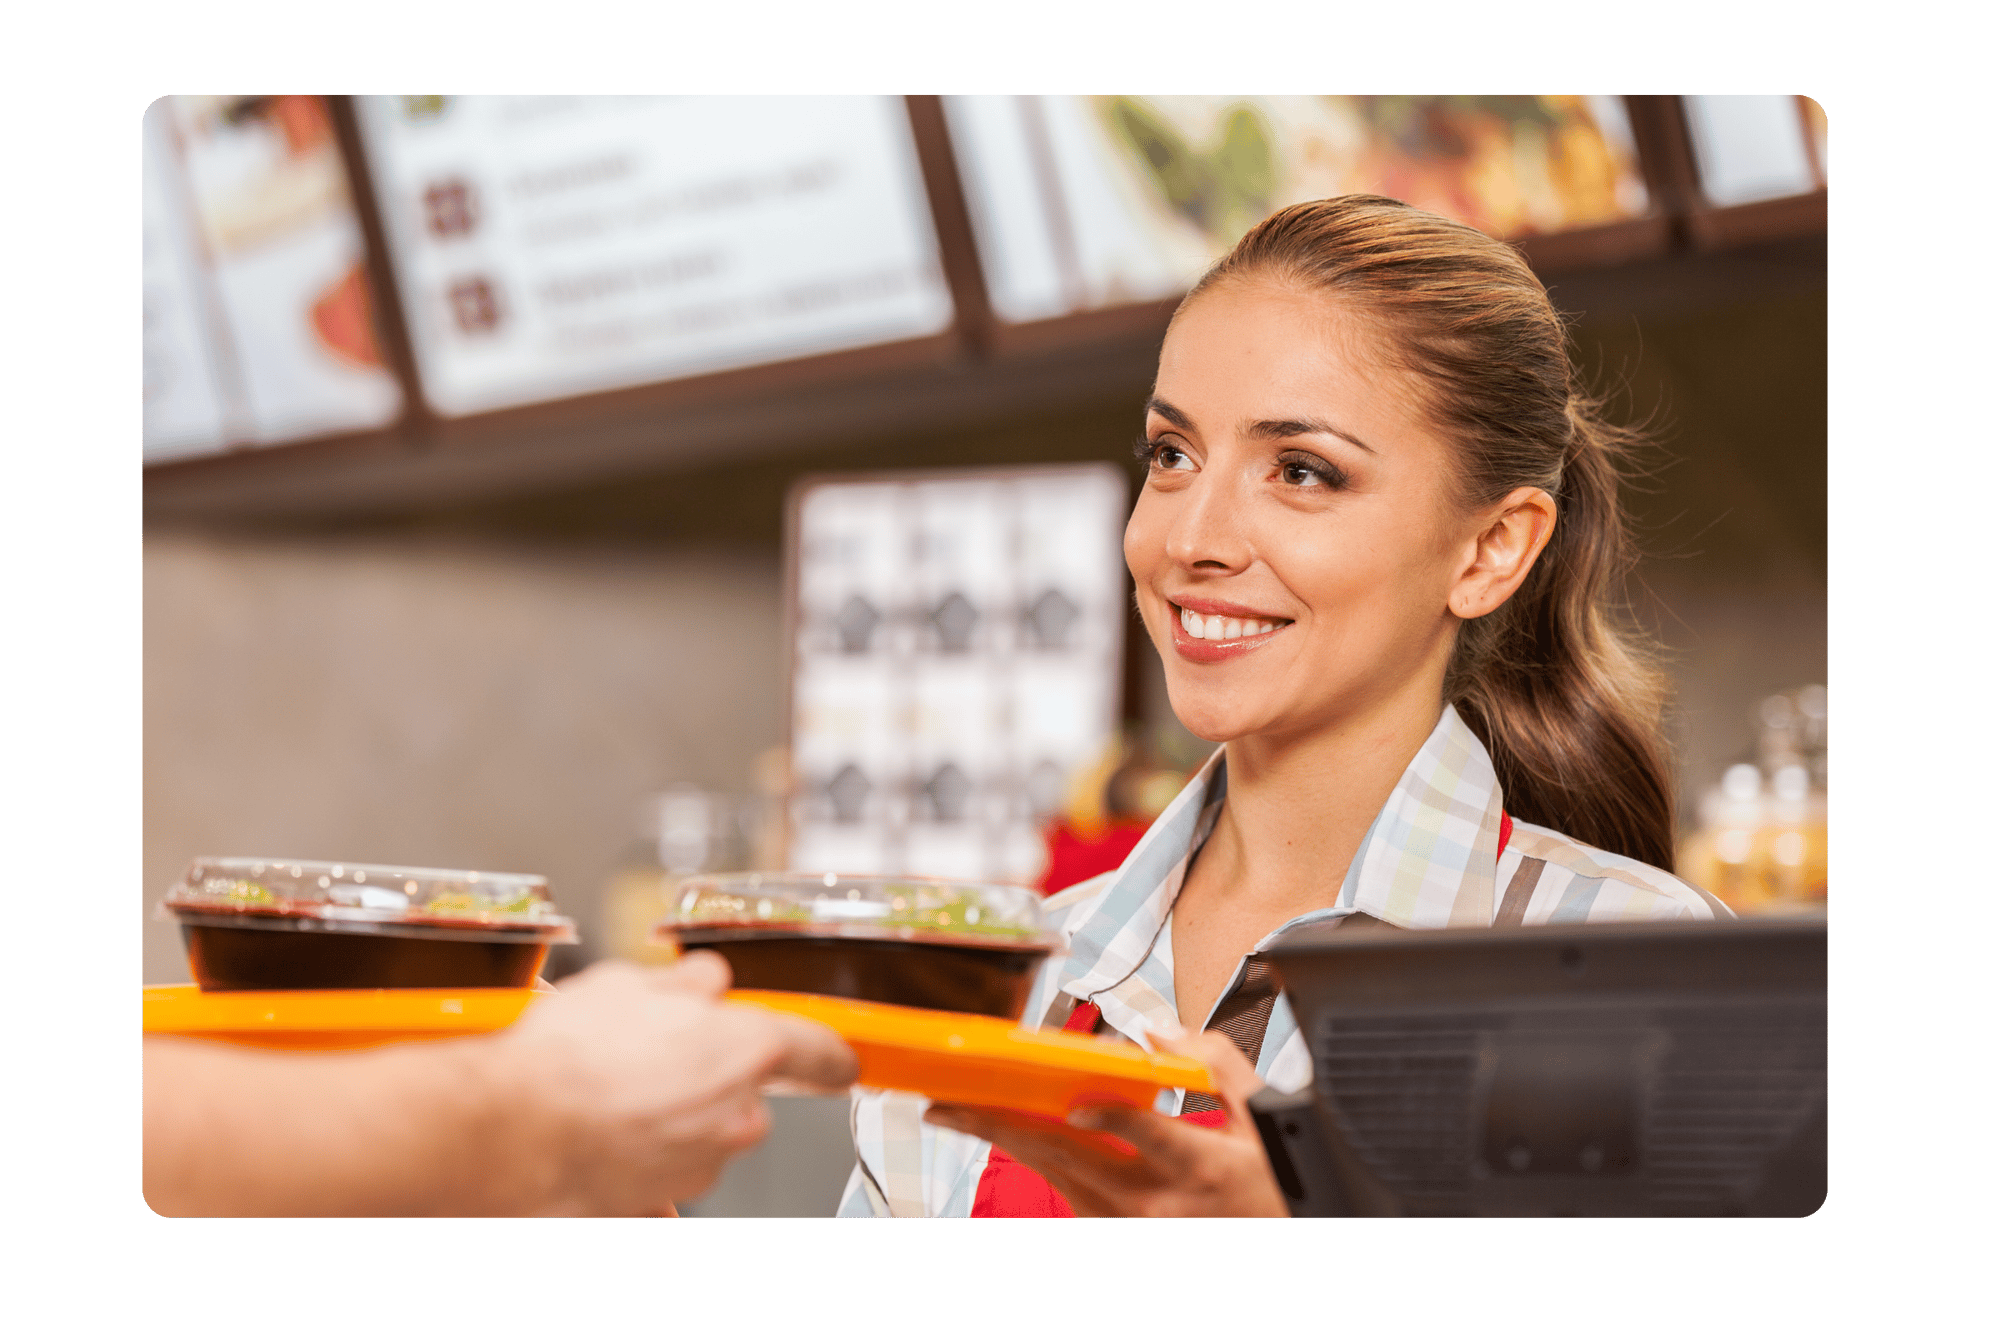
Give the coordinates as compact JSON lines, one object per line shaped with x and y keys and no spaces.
{"x":1295,"y":543}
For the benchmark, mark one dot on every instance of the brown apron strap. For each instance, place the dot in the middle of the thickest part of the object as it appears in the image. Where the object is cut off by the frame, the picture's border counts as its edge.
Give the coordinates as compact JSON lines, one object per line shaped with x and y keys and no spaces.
{"x":1514,"y":907}
{"x":1245,"y":1013}
{"x":1242,"y":1017}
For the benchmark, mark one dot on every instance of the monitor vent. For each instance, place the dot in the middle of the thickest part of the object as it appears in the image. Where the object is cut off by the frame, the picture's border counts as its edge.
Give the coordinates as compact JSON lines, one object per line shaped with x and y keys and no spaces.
{"x":1717,"y":1091}
{"x":1730,"y":1090}
{"x":1400,"y":1087}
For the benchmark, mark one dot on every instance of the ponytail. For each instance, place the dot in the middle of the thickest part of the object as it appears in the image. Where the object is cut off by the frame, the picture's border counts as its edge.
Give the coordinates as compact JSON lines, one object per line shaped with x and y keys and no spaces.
{"x":1565,"y":697}
{"x":1566,"y":700}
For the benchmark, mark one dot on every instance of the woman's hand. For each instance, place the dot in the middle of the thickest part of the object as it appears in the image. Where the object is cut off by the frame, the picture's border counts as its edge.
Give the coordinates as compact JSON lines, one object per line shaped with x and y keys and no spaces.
{"x":1128,"y":1161}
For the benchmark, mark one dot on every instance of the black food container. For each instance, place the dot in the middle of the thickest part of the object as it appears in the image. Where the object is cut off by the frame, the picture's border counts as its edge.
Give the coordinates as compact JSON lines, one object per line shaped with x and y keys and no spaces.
{"x":928,"y":943}
{"x":267,"y":924}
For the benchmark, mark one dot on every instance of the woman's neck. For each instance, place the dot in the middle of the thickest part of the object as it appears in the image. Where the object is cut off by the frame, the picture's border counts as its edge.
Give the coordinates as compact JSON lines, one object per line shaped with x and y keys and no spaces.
{"x":1295,"y":814}
{"x":1298,"y":807}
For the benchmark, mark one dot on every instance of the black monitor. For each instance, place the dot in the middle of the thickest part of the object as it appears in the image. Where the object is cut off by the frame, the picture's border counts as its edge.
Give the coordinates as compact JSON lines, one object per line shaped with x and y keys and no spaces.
{"x":1615,"y":1070}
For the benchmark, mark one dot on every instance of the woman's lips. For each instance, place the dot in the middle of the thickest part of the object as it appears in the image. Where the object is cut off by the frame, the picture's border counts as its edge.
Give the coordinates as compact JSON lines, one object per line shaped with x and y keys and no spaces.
{"x":1202,"y":633}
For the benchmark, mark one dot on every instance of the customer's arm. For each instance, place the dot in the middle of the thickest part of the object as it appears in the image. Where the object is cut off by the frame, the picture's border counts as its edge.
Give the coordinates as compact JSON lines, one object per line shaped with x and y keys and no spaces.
{"x":623,"y":1092}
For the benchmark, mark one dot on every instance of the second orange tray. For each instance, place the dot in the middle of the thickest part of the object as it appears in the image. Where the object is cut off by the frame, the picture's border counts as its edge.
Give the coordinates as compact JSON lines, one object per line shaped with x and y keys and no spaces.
{"x":983,"y":1061}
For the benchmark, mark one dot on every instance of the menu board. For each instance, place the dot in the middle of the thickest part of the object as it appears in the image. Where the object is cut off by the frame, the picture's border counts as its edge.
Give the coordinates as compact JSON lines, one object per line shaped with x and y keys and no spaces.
{"x":956,"y":661}
{"x":1083,"y":202}
{"x":1748,"y":148}
{"x":553,"y":246}
{"x":259,"y":324}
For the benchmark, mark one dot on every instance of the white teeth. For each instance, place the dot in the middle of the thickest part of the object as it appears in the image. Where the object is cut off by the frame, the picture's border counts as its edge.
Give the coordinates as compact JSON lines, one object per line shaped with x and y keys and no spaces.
{"x":1221,"y":627}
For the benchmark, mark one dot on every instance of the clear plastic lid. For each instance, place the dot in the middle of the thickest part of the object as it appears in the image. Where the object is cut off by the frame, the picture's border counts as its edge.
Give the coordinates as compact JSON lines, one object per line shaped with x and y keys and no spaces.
{"x":888,"y":907}
{"x":282,"y":893}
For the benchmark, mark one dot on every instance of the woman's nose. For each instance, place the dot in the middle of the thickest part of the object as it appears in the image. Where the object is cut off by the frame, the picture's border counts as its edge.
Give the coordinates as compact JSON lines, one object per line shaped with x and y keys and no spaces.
{"x":1207,"y":532}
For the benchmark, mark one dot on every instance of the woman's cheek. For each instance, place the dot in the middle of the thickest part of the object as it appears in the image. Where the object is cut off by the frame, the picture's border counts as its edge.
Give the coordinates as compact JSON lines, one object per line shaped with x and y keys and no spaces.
{"x":1145,"y":558}
{"x":1142,"y":549}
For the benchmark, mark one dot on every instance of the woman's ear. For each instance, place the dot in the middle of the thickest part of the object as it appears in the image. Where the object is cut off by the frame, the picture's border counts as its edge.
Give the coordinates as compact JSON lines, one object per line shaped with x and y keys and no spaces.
{"x":1513,"y":534}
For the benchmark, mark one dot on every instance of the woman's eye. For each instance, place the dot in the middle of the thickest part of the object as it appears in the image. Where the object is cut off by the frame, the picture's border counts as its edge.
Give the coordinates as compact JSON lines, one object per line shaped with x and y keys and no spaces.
{"x":1171,"y":458}
{"x":1304,"y":473}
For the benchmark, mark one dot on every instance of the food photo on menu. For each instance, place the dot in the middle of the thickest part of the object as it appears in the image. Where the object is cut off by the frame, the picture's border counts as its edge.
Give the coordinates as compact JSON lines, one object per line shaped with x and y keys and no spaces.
{"x":992,"y":656}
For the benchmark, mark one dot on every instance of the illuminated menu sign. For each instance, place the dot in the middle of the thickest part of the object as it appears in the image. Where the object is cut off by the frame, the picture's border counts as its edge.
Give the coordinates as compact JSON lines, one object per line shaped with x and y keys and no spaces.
{"x":259,"y":322}
{"x":554,"y":246}
{"x":1750,"y":148}
{"x":1083,"y":202}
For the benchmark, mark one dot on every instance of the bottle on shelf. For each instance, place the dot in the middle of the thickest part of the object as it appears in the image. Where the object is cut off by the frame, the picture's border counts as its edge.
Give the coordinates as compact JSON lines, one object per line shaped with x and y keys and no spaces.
{"x":1760,"y":844}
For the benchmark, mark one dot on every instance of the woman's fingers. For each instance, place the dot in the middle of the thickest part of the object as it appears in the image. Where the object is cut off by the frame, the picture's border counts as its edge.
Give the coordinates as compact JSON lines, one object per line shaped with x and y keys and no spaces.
{"x":1016,"y":1123}
{"x":1042,"y":1144}
{"x":1235,"y":1077}
{"x":1160,"y":1139}
{"x":1170,"y":1168}
{"x":1083,"y":1195}
{"x":1071,"y":1160}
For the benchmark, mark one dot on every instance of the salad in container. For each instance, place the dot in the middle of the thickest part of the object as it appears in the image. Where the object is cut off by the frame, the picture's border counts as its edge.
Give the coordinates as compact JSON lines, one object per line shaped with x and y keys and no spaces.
{"x":262,"y":923}
{"x":926,"y":943}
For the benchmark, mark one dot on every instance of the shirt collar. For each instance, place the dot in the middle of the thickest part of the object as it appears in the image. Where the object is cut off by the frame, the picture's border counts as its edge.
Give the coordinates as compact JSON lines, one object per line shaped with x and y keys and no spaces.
{"x":1428,"y":860}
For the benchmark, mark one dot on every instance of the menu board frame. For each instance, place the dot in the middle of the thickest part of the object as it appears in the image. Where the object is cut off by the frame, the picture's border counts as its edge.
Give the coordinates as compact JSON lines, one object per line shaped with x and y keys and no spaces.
{"x":1667,"y":157}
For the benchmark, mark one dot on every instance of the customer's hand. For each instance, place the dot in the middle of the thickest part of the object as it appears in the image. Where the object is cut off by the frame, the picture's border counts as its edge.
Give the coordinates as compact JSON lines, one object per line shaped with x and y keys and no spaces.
{"x":636,"y":1085}
{"x":1128,"y":1161}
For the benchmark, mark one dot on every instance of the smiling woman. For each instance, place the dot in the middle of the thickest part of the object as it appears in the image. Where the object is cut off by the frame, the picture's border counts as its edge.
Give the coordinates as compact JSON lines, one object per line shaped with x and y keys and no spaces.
{"x":1376,"y":548}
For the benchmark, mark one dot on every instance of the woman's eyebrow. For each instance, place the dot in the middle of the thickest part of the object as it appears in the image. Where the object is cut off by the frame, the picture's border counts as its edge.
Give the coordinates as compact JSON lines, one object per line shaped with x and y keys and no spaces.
{"x":1265,"y":430}
{"x":1166,"y":409}
{"x":1284,"y":430}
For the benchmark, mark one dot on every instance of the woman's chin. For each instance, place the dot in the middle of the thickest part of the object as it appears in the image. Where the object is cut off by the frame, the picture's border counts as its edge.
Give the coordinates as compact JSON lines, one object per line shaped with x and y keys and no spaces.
{"x":1215,"y":725}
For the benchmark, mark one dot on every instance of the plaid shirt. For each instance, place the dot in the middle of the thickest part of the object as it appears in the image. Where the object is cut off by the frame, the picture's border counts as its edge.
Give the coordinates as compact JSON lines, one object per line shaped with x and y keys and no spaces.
{"x":1432,"y":858}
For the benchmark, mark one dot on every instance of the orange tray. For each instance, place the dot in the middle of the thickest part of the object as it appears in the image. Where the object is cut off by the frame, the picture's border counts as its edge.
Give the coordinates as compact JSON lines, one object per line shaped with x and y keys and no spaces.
{"x":329,"y":1019}
{"x":947,"y":1057}
{"x":983,"y":1061}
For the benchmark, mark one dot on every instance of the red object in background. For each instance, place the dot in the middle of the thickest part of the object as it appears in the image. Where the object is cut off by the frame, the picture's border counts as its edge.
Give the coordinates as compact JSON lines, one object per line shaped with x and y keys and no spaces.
{"x":303,"y":121}
{"x":1074,"y":858}
{"x":344,"y":320}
